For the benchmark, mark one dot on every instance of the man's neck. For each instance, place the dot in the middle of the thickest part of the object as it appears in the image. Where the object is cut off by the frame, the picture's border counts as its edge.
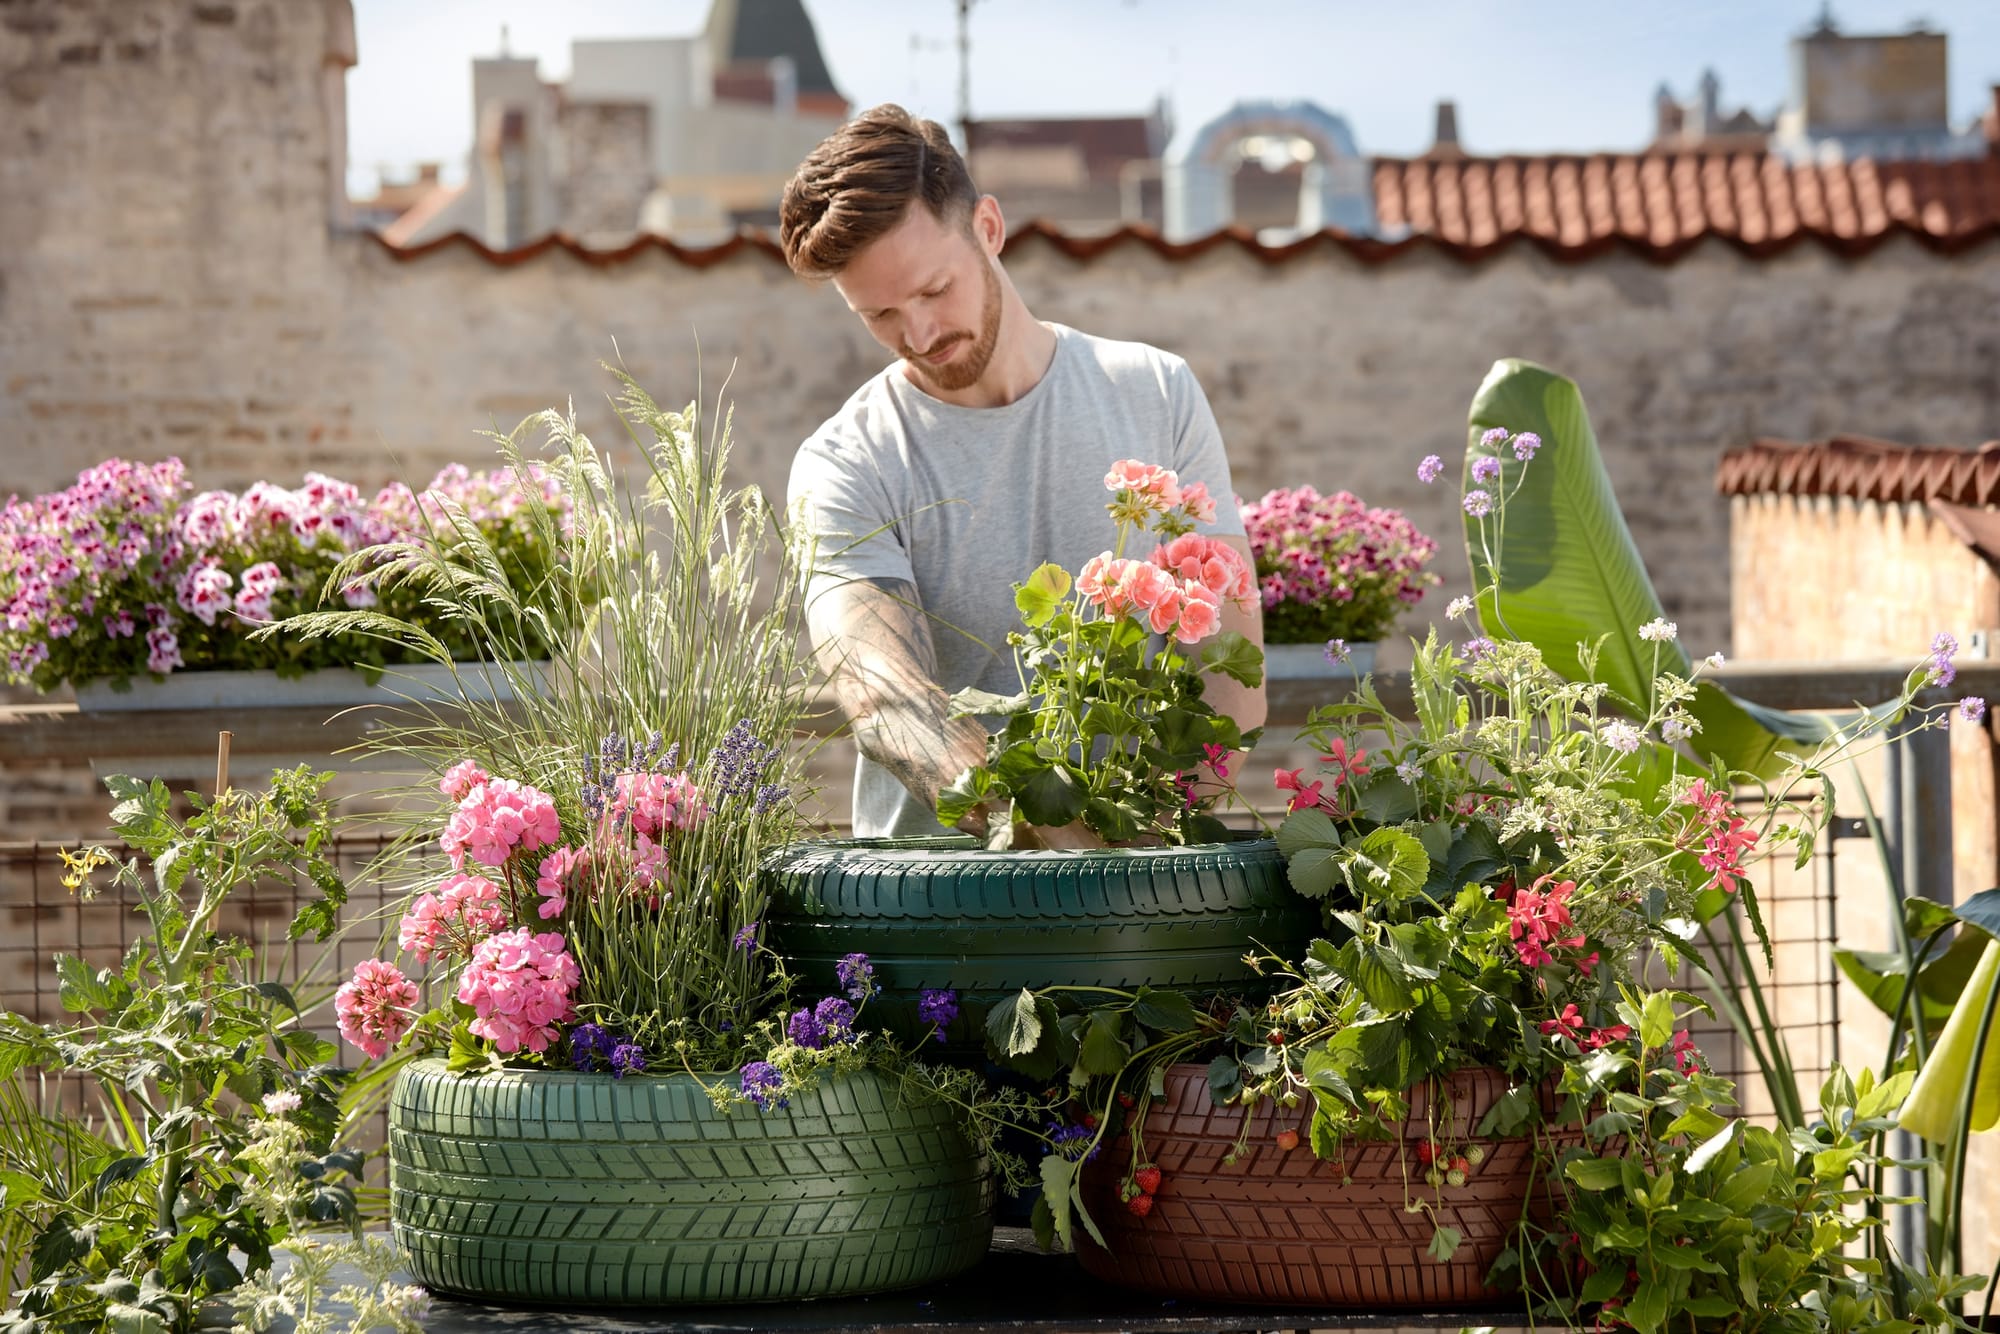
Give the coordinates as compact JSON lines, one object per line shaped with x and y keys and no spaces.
{"x":1021,"y":357}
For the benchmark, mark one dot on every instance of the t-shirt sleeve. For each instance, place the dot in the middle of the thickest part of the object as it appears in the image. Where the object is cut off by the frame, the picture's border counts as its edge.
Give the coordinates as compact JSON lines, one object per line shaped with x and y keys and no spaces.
{"x":1198,"y":452}
{"x":841,"y":500}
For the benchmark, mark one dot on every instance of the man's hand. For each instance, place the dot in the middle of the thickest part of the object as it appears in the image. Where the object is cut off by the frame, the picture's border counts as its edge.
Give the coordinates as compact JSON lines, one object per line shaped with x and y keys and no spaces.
{"x":874,"y":644}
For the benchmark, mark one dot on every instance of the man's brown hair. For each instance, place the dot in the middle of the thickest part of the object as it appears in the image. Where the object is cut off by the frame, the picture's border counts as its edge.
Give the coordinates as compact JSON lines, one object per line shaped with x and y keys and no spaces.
{"x":859,"y":183}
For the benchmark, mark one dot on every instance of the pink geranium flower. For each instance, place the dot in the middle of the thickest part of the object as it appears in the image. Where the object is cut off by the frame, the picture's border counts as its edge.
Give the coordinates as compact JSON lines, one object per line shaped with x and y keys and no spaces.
{"x":519,"y":986}
{"x":498,"y":818}
{"x":375,"y":1007}
{"x":557,"y":877}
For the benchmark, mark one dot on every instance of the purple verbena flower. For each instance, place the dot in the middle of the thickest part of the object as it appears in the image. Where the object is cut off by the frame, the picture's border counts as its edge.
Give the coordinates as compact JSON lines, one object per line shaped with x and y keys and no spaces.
{"x":805,"y":1029}
{"x":1493,"y":437}
{"x":761,"y":1082}
{"x":1525,"y":445}
{"x":627,"y":1058}
{"x":857,"y":976}
{"x":1972,"y":708}
{"x":1478,"y":504}
{"x":1478,"y":648}
{"x":587,"y":1042}
{"x":938,"y":1009}
{"x":745,"y":938}
{"x":1485,"y":470}
{"x":1335,"y":650}
{"x":1430,"y":469}
{"x":1942,"y":673}
{"x":836,"y":1017}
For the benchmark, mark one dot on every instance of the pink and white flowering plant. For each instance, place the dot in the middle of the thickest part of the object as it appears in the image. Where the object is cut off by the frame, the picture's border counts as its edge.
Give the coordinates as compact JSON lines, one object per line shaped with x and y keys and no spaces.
{"x":1332,"y":567}
{"x":130,"y":572}
{"x":1111,"y":728}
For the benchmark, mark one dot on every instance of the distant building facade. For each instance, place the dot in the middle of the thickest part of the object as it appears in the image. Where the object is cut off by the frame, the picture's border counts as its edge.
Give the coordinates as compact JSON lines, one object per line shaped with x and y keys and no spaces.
{"x":1882,"y":96}
{"x":689,"y":137}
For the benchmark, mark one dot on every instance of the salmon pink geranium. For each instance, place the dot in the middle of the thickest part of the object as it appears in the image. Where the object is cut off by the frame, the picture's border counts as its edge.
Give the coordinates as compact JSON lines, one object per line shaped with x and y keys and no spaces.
{"x":1111,"y":728}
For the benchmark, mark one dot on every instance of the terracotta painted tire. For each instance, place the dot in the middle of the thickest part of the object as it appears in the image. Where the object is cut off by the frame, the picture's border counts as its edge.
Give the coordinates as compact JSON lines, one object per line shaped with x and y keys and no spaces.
{"x":946,"y":913}
{"x":550,"y":1186}
{"x":1283,"y":1227}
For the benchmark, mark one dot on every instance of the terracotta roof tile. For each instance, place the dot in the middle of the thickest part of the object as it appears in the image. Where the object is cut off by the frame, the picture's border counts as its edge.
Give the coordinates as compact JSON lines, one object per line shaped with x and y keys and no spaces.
{"x":1573,"y":208}
{"x":1863,"y":469}
{"x":1671,"y":199}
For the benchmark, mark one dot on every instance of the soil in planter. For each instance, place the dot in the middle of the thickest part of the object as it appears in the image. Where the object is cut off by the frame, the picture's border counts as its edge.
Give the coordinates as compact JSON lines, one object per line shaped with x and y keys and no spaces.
{"x":1283,"y":1227}
{"x":945,"y":913}
{"x":581,"y":1190}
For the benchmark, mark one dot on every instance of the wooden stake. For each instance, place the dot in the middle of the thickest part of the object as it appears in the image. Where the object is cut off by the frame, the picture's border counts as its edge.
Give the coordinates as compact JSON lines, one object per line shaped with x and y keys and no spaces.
{"x":222,"y":764}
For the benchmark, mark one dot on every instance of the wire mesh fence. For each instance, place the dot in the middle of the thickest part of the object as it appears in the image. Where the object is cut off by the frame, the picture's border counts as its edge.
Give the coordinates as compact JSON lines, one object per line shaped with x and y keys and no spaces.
{"x":44,"y":919}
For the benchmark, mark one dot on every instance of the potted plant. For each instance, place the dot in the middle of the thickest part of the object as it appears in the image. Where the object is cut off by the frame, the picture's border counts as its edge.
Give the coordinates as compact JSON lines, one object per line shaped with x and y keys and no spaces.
{"x":618,"y":1101}
{"x":1468,"y":1086}
{"x":1334,"y":574}
{"x":143,"y":596}
{"x":1109,"y":731}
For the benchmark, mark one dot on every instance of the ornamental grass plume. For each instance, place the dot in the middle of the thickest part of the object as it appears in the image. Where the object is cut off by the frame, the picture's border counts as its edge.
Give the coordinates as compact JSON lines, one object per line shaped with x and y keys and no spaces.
{"x":621,"y":802}
{"x":1331,"y":567}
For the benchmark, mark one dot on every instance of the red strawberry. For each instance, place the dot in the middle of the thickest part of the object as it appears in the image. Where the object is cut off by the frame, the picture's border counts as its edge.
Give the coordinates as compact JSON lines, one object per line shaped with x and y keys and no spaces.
{"x":1089,"y":1120}
{"x":1461,"y":1164}
{"x":1126,"y":1100}
{"x":1276,"y":1037}
{"x":1140,"y":1205}
{"x":1147,"y":1179}
{"x":1288,"y":1140}
{"x":1427,"y":1153}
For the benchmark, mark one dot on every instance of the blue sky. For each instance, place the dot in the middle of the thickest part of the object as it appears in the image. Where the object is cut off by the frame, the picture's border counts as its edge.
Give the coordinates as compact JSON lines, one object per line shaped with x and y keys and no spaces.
{"x":1528,"y":75}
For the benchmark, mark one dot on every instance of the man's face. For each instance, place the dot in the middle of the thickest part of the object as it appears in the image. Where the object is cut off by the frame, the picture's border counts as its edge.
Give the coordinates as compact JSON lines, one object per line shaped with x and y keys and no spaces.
{"x":928,"y":292}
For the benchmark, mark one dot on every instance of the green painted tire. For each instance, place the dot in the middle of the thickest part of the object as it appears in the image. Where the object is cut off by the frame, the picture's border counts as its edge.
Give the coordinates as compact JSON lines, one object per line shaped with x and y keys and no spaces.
{"x":555,"y":1187}
{"x":934,"y":913}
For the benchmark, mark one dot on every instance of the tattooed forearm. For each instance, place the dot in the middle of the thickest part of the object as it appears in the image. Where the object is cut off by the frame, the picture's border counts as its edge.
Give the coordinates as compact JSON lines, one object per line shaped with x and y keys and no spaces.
{"x":875,"y":645}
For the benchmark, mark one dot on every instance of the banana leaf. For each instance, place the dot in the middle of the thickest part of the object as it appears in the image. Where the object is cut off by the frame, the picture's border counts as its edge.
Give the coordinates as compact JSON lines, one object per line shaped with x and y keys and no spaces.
{"x":1566,"y":571}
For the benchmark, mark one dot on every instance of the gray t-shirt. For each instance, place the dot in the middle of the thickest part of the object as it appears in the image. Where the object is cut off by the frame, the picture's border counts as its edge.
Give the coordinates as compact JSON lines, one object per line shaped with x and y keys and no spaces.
{"x":965,"y":502}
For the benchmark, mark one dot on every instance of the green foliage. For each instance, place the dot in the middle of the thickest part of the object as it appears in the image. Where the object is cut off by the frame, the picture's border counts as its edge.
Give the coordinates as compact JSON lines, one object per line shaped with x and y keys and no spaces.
{"x":1676,"y":1216}
{"x":132,"y":1216}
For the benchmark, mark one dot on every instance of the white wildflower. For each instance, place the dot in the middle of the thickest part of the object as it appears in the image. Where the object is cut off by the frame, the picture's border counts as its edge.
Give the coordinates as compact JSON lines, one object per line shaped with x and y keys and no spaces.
{"x":1659,"y":630}
{"x":1714,"y":661}
{"x":1458,"y":608}
{"x":1679,"y":729}
{"x":284,"y":1100}
{"x":1620,"y":736}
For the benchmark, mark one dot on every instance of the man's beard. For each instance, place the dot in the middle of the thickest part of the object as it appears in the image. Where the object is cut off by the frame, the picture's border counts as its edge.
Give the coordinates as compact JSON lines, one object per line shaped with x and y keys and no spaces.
{"x":964,"y":371}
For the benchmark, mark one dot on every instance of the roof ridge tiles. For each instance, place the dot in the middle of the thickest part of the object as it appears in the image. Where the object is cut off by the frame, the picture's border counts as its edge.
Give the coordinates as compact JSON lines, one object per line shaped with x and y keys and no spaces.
{"x":1862,"y":468}
{"x":1370,"y":251}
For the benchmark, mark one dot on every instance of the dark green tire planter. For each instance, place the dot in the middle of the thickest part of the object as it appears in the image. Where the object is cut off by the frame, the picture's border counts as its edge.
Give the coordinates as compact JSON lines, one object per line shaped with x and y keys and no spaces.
{"x":548,"y":1186}
{"x":944,"y":913}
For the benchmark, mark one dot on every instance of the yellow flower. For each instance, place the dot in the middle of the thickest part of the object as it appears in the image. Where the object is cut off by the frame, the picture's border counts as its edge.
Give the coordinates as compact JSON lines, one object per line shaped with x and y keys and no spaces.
{"x":79,"y":865}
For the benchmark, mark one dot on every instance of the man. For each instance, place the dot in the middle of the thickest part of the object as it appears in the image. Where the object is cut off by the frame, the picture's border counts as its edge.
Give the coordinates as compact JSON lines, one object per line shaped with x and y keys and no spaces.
{"x":954,"y":472}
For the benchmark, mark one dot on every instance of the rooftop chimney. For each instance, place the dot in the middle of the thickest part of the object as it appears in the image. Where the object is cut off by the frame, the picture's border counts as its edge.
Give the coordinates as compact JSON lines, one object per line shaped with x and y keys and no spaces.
{"x":1444,"y":143}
